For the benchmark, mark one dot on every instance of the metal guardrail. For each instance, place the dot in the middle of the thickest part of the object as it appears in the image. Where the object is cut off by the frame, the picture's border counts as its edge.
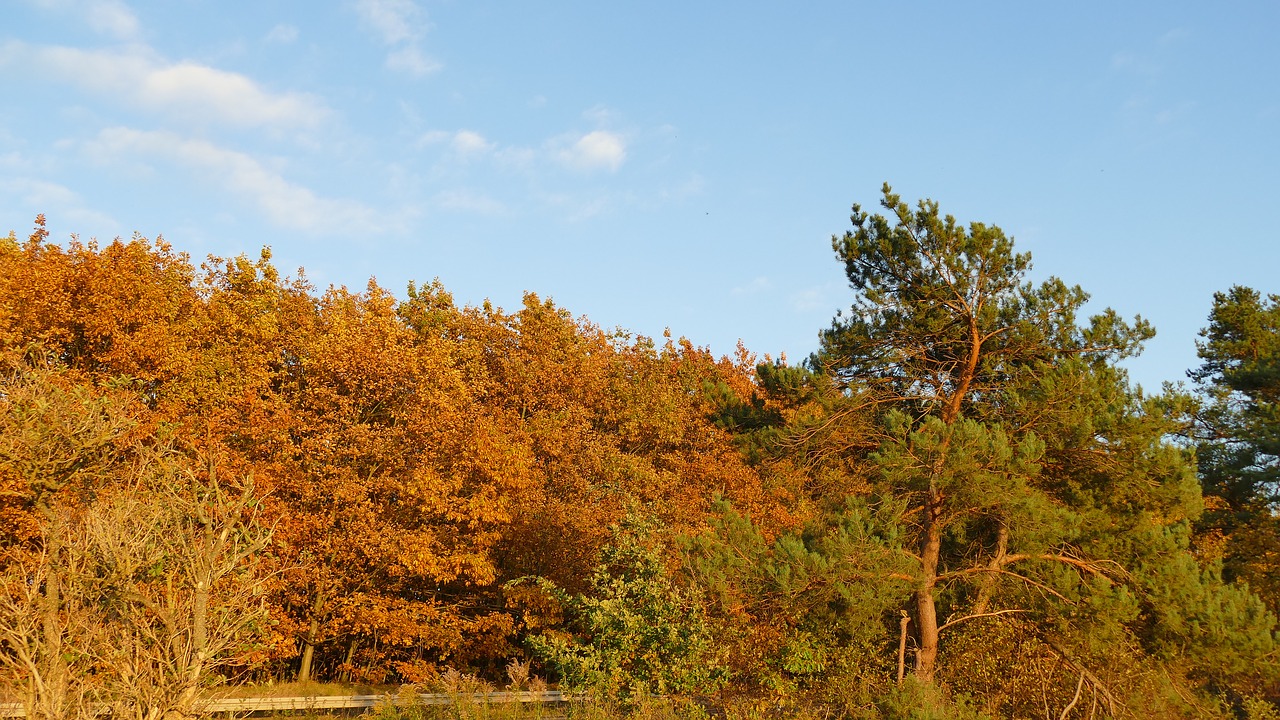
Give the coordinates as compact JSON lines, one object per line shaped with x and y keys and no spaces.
{"x":343,"y":702}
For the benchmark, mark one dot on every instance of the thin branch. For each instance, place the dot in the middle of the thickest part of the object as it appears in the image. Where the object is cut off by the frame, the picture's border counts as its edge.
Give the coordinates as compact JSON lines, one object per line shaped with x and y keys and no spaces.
{"x":1112,"y":703}
{"x":957,"y":621}
{"x":1066,"y":710}
{"x":982,"y":570}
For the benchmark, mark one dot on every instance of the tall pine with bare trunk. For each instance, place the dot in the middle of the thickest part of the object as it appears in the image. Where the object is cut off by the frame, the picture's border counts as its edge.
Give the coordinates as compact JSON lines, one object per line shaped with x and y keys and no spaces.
{"x":1035,"y":493}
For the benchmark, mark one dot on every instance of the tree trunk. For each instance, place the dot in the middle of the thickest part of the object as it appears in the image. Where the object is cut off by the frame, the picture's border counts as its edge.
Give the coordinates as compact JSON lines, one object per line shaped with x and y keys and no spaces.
{"x":902,"y":645}
{"x":309,"y":640}
{"x":199,"y":646}
{"x":56,"y":680}
{"x":345,"y":675}
{"x":926,"y":605}
{"x":308,"y":650}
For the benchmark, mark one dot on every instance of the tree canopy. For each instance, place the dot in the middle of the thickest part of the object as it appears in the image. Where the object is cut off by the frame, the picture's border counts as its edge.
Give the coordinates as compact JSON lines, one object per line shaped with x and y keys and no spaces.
{"x":958,"y":504}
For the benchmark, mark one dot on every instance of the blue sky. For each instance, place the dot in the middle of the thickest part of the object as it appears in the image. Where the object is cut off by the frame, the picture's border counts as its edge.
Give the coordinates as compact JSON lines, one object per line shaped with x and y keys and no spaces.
{"x":662,"y":164}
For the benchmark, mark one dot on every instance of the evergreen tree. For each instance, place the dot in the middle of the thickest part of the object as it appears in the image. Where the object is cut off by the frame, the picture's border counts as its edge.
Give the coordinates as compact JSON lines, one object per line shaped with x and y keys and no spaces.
{"x":974,"y":365}
{"x":1239,"y":436}
{"x":1036,"y":492}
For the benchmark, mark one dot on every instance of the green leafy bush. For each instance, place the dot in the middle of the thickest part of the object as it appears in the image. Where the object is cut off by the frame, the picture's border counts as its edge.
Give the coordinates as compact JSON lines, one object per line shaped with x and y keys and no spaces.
{"x":636,"y":632}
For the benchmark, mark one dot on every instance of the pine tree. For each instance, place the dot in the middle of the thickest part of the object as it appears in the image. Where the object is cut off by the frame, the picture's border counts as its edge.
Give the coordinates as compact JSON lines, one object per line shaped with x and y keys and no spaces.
{"x":1033,"y":489}
{"x":1239,"y":436}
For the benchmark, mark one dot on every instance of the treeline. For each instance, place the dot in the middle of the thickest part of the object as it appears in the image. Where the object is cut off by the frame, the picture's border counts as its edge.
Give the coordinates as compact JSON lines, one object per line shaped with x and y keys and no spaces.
{"x":958,"y":505}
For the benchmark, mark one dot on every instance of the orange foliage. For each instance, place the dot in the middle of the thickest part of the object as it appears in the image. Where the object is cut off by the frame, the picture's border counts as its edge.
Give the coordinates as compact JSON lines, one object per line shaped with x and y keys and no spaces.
{"x":414,"y":455}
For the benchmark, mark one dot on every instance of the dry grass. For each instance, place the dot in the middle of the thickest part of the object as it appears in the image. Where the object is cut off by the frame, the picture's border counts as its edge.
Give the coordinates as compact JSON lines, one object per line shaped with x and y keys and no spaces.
{"x":307,"y":689}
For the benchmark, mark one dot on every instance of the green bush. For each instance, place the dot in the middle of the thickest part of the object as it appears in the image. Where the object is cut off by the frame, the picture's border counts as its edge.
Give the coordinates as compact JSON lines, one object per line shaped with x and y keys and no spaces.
{"x":636,"y":633}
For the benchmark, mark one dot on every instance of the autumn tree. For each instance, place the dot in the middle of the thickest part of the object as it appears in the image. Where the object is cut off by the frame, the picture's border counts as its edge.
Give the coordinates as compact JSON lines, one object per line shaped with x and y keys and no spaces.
{"x":412,"y":455}
{"x":113,"y":309}
{"x":604,"y":419}
{"x":394,"y":488}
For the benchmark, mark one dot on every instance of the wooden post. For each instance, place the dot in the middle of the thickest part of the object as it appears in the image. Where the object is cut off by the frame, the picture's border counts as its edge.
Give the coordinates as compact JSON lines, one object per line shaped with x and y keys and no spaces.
{"x":902,"y":645}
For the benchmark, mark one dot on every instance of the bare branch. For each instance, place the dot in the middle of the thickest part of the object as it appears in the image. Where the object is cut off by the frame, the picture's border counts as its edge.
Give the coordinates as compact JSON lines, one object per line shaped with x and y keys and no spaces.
{"x":957,"y":621}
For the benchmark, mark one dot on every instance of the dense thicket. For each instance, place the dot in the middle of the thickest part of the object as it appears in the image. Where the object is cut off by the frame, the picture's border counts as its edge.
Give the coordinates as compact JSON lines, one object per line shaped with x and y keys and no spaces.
{"x":958,"y":505}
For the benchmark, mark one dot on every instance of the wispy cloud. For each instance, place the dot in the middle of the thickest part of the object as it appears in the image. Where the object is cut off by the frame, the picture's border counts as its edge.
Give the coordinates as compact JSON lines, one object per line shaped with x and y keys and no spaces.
{"x":757,"y":285}
{"x":61,"y":202}
{"x":108,"y":17}
{"x":395,"y":20}
{"x":411,"y":60}
{"x":600,"y":115}
{"x":818,"y":297}
{"x":468,"y":142}
{"x":285,"y":204}
{"x":112,"y":18}
{"x":462,"y":143}
{"x":691,"y":186}
{"x":597,"y":150}
{"x":1136,"y":64}
{"x":400,"y":24}
{"x":282,"y":34}
{"x":555,"y":169}
{"x":1153,"y":60}
{"x":186,"y":90}
{"x":578,"y":208}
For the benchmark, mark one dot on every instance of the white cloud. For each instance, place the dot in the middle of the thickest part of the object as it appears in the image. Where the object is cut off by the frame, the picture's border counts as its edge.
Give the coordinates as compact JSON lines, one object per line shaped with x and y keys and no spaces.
{"x":411,"y":60}
{"x":433,"y":137}
{"x":600,"y":115}
{"x":59,"y":202}
{"x":234,"y":97}
{"x":400,"y":24}
{"x":466,"y":142}
{"x":285,"y":204}
{"x":113,"y":18}
{"x":594,"y":151}
{"x":38,"y":193}
{"x":282,"y":34}
{"x":107,"y":17}
{"x":186,"y":89}
{"x":463,"y":143}
{"x":395,"y":20}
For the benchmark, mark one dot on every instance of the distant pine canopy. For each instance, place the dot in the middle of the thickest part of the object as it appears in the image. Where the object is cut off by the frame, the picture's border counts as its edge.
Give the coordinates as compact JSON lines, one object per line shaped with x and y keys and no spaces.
{"x":957,"y":503}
